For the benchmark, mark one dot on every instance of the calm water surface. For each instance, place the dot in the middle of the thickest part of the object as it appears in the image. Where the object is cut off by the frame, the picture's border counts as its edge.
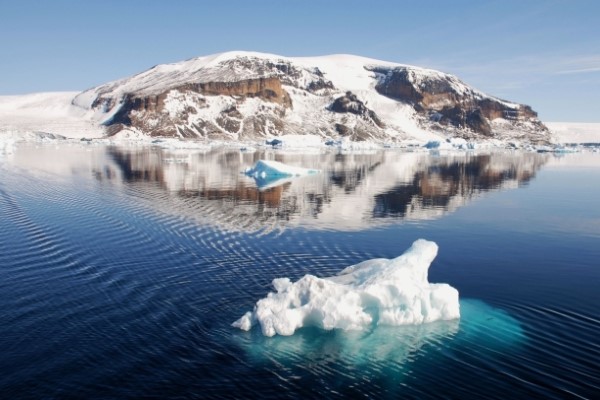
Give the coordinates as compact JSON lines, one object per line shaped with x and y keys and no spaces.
{"x":122,"y":269}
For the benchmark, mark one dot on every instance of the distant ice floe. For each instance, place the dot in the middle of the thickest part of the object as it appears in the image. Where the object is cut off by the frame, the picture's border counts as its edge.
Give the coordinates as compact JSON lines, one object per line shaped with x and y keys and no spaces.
{"x":374,"y":292}
{"x":573,"y":132}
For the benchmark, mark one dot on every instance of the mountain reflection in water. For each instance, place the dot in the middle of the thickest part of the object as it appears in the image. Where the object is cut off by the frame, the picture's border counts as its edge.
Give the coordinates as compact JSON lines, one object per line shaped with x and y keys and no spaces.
{"x":353,"y":192}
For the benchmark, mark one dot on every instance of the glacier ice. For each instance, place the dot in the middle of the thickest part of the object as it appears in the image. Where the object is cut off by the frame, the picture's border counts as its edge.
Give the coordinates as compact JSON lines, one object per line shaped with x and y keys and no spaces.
{"x":374,"y":292}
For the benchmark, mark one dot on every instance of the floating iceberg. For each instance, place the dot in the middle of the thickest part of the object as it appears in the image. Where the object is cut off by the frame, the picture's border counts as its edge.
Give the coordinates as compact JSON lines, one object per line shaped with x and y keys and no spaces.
{"x":266,"y":173}
{"x":491,"y":331}
{"x":374,"y":292}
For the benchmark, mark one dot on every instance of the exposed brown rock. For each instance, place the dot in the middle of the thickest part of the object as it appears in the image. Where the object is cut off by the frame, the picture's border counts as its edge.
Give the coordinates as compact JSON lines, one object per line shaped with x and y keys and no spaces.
{"x":261,"y":125}
{"x":232,"y":112}
{"x":283,"y":70}
{"x":461,"y":118}
{"x":349,"y":103}
{"x":343,"y":130}
{"x":135,"y":109}
{"x":229,"y":124}
{"x":268,"y":89}
{"x":441,"y":101}
{"x":398,"y":87}
{"x":437,"y":98}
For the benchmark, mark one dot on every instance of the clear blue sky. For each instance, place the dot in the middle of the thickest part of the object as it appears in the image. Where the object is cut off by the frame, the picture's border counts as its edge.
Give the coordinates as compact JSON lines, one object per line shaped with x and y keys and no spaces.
{"x":545,"y":53}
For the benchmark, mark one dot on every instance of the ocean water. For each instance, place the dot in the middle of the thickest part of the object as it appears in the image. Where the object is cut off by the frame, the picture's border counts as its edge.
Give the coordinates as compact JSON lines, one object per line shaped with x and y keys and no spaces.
{"x":122,"y":269}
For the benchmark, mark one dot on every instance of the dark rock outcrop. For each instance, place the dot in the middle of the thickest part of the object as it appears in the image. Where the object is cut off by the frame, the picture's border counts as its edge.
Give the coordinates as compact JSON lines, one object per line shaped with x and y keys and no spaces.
{"x":349,"y":103}
{"x":448,"y":101}
{"x":267,"y":89}
{"x":137,"y":111}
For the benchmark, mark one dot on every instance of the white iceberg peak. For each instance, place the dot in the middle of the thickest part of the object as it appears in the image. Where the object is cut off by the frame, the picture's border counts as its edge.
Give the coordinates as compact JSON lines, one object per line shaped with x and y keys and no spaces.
{"x":374,"y":292}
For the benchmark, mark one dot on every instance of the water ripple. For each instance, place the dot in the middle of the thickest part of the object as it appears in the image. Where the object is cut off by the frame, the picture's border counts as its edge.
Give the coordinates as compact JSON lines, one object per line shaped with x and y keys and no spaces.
{"x":108,"y":290}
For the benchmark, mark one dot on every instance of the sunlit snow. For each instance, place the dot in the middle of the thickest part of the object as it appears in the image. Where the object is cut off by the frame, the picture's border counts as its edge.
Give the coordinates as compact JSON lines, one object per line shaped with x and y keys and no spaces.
{"x":70,"y":114}
{"x":374,"y":292}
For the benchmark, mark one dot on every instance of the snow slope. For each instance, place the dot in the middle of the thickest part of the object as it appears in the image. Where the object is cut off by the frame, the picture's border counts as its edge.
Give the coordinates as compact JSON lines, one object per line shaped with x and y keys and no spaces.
{"x":164,"y":76}
{"x":348,"y":73}
{"x":575,"y":132}
{"x":46,"y":112}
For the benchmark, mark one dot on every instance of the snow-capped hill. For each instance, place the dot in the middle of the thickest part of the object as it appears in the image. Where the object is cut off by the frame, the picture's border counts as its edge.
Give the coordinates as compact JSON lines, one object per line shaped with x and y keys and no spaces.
{"x":225,"y":67}
{"x":448,"y":101}
{"x":246,"y":95}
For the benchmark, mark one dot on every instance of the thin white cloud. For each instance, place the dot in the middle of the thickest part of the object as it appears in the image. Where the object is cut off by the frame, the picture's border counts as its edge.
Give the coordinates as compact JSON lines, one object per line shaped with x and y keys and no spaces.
{"x":507,"y":74}
{"x":581,"y":65}
{"x":580,"y":71}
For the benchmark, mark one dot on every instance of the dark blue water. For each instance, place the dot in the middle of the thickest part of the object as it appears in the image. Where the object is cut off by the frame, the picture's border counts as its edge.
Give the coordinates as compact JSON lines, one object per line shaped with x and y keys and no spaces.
{"x":121,"y":271}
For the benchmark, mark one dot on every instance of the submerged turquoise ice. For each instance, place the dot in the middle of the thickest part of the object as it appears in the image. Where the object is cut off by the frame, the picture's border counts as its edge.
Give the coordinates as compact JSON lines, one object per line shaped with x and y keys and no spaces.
{"x":481,"y":326}
{"x":378,"y":311}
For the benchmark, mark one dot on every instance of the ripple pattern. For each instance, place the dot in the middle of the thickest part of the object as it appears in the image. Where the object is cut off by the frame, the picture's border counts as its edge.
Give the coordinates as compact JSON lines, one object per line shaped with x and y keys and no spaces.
{"x":114,"y":290}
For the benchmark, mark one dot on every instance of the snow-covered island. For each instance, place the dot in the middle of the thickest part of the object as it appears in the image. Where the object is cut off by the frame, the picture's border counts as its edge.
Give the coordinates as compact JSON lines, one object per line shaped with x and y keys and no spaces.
{"x":340,"y":100}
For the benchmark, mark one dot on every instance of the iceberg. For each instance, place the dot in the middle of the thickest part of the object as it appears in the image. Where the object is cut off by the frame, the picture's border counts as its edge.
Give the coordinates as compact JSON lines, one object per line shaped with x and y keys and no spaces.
{"x":490,"y":330}
{"x":266,"y":172}
{"x":374,"y":292}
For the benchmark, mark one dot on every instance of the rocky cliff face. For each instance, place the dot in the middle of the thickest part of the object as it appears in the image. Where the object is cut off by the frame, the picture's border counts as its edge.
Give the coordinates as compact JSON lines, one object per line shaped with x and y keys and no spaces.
{"x":349,"y":103}
{"x":149,"y":113}
{"x":247,"y":96}
{"x":449,"y":104}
